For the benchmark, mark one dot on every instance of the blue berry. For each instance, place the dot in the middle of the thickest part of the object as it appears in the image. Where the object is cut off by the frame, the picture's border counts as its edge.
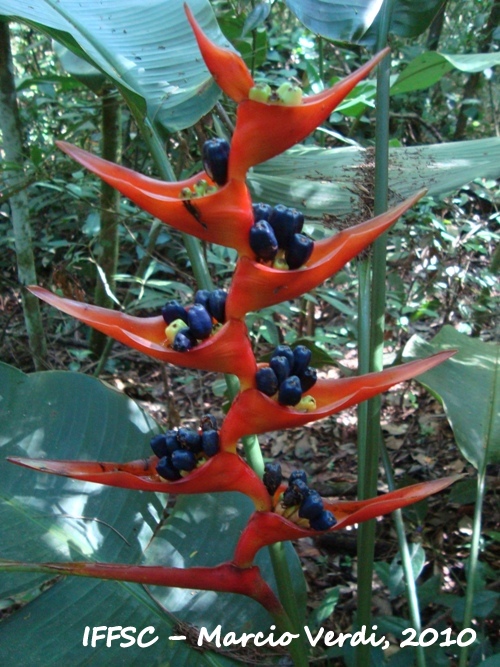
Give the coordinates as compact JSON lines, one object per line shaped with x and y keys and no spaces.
{"x":210,"y":442}
{"x":297,"y":475}
{"x":172,"y":311}
{"x":189,"y":439}
{"x":284,"y":351}
{"x":263,"y":241}
{"x":215,"y":159}
{"x":312,"y":506}
{"x":272,"y":477}
{"x":308,"y":378}
{"x":171,"y":441}
{"x":285,"y":223}
{"x":216,"y":305}
{"x":200,"y":322}
{"x":290,"y":391}
{"x":295,"y":493}
{"x":183,"y":459}
{"x":158,"y":445}
{"x":281,"y":367}
{"x":261,"y":211}
{"x":301,"y":359}
{"x":208,"y":423}
{"x":266,"y":381}
{"x":202,"y":296}
{"x":298,"y":251}
{"x":166,"y":470}
{"x":324,"y":521}
{"x":183,"y":341}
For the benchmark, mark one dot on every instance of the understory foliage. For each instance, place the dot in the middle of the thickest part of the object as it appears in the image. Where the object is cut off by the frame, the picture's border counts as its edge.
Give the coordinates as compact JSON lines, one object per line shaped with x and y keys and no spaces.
{"x":441,"y":278}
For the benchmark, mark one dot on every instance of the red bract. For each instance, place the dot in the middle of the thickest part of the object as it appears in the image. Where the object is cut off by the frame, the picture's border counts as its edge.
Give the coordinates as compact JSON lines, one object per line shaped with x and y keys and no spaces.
{"x":227,"y":351}
{"x":266,"y":528}
{"x":258,"y":286}
{"x":222,"y":472}
{"x":225,"y":578}
{"x":223,"y":217}
{"x":254,"y":412}
{"x":264,"y":130}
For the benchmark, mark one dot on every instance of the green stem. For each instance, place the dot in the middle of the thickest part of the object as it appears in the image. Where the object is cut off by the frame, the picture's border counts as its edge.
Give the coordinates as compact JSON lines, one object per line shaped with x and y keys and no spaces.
{"x":473,"y":559}
{"x":411,"y":587}
{"x":371,"y":425}
{"x":110,"y":202}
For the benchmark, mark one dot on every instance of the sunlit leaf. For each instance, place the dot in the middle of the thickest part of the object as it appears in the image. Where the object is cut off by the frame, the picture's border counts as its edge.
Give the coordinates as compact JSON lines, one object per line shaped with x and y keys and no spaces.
{"x":146,"y":48}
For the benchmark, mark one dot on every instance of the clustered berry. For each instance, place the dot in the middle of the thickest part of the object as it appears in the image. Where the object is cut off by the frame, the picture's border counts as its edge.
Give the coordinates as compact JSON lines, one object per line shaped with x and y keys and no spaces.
{"x":288,"y":377}
{"x":298,"y":502}
{"x":187,"y":326}
{"x":276,"y":238}
{"x":181,"y":450}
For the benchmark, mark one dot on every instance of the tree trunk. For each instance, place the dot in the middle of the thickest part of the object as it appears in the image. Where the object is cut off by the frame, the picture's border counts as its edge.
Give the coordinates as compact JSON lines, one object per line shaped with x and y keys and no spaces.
{"x":19,"y":209}
{"x":108,"y":237}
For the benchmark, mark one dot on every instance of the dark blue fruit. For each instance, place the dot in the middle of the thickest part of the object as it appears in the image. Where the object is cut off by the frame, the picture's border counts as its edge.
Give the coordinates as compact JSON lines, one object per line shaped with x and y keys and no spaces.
{"x":284,"y":351}
{"x":285,"y":223}
{"x":298,"y":251}
{"x":171,"y":441}
{"x":208,"y":423}
{"x":182,"y":459}
{"x":290,"y":391}
{"x":183,"y":341}
{"x":202,"y":296}
{"x":216,"y":305}
{"x":261,"y":211}
{"x":272,"y":477}
{"x":210,"y":442}
{"x":266,"y":381}
{"x":308,"y":378}
{"x":312,"y":506}
{"x":166,"y":470}
{"x":189,"y":439}
{"x":263,"y":241}
{"x":158,"y":445}
{"x":295,"y":493}
{"x":215,"y":159}
{"x":172,"y":311}
{"x":200,"y":322}
{"x":281,"y":367}
{"x":301,"y":359}
{"x":324,"y":521}
{"x":297,"y":475}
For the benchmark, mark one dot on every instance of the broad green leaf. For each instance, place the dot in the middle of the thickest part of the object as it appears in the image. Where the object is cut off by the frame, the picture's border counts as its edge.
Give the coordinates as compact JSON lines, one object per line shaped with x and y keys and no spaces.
{"x":48,"y":518}
{"x":426,"y":69}
{"x":146,"y":47}
{"x":344,"y":21}
{"x":468,"y":385}
{"x":358,"y":20}
{"x":329,"y":183}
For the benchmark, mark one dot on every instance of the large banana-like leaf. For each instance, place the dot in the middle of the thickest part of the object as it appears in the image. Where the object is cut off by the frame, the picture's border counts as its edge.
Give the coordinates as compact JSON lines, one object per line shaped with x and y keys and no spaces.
{"x":326,"y":182}
{"x":358,"y":20}
{"x":146,"y":47}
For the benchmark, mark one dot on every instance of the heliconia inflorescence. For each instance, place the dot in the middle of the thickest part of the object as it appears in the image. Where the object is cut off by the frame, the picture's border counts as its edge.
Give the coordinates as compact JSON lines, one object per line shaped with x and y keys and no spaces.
{"x":276,"y":262}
